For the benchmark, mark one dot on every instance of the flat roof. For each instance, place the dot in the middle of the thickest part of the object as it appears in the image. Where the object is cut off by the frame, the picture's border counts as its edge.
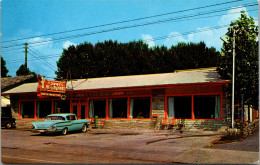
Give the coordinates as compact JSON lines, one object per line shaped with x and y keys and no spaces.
{"x":192,"y":76}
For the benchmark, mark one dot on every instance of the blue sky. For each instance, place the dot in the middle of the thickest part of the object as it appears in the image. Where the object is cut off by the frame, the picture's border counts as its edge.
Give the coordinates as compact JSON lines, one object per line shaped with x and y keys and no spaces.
{"x":49,"y":26}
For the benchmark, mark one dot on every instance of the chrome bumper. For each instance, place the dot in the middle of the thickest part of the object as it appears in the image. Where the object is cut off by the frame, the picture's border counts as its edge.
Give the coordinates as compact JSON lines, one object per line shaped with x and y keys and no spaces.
{"x":43,"y":130}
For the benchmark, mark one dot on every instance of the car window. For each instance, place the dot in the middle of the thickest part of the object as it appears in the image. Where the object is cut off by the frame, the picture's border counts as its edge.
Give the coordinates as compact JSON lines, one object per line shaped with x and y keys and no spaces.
{"x":54,"y":118}
{"x":73,"y":117}
{"x":68,"y":118}
{"x":60,"y":118}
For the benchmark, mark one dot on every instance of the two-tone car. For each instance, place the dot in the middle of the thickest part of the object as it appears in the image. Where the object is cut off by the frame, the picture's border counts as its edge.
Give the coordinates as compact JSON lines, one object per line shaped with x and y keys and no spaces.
{"x":61,"y":122}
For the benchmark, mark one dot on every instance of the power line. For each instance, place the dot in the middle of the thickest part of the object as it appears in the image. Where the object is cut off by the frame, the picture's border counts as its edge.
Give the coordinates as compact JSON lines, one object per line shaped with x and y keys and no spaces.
{"x":10,"y":52}
{"x":40,"y":54}
{"x":121,"y":28}
{"x":191,"y":32}
{"x":131,"y":26}
{"x":157,"y":38}
{"x":6,"y":50}
{"x":187,"y":33}
{"x":44,"y":62}
{"x":33,"y":59}
{"x":126,"y":21}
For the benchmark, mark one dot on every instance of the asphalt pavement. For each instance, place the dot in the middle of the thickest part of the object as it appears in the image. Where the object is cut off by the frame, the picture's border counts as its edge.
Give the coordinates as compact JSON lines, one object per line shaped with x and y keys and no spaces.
{"x":122,"y":146}
{"x":251,"y":143}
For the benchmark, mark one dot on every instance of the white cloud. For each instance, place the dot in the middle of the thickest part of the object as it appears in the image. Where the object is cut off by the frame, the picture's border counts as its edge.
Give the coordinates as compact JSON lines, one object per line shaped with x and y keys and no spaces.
{"x":148,"y":39}
{"x":40,"y":43}
{"x":210,"y":36}
{"x":67,"y":44}
{"x":232,"y":15}
{"x":174,"y":38}
{"x":256,"y":21}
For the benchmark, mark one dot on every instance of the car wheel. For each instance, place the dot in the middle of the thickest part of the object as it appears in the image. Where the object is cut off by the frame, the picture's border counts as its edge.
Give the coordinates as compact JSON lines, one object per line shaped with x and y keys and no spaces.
{"x":8,"y":125}
{"x":84,"y":128}
{"x":64,"y":131}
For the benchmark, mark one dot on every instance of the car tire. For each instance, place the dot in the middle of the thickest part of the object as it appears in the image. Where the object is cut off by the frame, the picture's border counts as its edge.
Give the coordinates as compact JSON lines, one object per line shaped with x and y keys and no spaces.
{"x":64,"y":131}
{"x":84,"y":128}
{"x":8,"y":125}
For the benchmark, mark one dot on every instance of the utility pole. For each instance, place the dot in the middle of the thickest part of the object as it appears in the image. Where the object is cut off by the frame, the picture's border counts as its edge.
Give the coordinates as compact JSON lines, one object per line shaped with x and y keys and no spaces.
{"x":233,"y":79}
{"x":26,"y":51}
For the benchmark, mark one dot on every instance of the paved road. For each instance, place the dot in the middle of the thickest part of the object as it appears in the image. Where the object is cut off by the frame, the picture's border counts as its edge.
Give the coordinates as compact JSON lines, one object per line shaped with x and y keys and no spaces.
{"x":19,"y":146}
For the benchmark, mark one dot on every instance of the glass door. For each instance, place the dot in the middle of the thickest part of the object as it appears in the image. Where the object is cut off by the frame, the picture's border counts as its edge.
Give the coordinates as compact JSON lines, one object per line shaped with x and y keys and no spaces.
{"x":75,"y":110}
{"x":83,"y":112}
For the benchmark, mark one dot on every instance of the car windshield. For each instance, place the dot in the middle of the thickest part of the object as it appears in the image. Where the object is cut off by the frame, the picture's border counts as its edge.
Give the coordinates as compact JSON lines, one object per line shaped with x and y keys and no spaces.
{"x":54,"y":118}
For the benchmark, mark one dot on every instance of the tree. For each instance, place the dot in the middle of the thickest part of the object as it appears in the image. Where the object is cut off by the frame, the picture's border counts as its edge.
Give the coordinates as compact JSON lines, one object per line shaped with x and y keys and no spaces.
{"x":110,"y":58}
{"x":246,"y":64}
{"x":4,"y":70}
{"x":194,"y":55}
{"x":22,"y":71}
{"x":76,"y":62}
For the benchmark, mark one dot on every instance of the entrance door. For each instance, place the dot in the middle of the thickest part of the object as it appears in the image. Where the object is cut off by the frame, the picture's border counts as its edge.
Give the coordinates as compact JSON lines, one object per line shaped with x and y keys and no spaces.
{"x":80,"y":111}
{"x":75,"y":110}
{"x":83,"y":112}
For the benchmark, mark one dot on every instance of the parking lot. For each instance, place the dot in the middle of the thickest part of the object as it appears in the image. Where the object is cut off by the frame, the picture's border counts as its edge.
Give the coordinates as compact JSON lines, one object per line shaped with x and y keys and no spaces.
{"x":120,"y":146}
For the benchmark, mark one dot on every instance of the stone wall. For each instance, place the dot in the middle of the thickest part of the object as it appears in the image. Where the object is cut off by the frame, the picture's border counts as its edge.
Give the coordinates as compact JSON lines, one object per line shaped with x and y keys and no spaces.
{"x":158,"y":102}
{"x":226,"y":110}
{"x":14,"y":106}
{"x":205,"y":125}
{"x":126,"y":123}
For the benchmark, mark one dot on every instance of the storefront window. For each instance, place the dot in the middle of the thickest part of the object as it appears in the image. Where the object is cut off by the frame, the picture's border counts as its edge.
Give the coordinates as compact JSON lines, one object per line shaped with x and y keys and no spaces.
{"x":43,"y":108}
{"x":179,"y":107}
{"x":140,"y":107}
{"x":207,"y":107}
{"x":97,"y":108}
{"x":27,"y":109}
{"x":118,"y":108}
{"x":61,"y":106}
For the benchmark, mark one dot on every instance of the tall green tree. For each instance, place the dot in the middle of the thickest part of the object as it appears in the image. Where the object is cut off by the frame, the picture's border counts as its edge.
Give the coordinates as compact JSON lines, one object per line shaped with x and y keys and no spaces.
{"x":4,"y":70}
{"x":194,"y":55}
{"x":246,"y":59}
{"x":76,"y":62}
{"x":110,"y":58}
{"x":22,"y":71}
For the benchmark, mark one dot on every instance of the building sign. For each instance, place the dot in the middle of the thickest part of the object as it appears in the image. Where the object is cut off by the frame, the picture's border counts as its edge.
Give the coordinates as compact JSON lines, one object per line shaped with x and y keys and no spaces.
{"x":117,"y":93}
{"x":50,"y":87}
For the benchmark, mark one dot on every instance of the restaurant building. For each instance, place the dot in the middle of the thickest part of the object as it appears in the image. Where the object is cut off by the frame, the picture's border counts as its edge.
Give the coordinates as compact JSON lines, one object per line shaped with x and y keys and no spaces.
{"x":136,"y":101}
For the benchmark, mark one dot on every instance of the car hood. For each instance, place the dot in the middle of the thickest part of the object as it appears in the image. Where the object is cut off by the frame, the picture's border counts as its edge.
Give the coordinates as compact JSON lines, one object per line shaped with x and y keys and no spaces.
{"x":45,"y":124}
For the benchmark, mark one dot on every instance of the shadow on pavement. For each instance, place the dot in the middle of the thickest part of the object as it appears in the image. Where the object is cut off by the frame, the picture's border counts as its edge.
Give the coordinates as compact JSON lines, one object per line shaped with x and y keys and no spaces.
{"x":251,"y":143}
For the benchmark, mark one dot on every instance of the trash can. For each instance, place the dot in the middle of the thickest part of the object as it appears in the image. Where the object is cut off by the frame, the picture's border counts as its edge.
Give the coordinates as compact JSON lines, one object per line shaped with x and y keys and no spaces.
{"x":96,"y":121}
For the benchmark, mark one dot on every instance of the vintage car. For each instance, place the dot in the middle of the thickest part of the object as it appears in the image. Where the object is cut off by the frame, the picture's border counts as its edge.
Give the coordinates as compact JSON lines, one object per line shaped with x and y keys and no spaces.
{"x":7,"y":120}
{"x":62,"y":122}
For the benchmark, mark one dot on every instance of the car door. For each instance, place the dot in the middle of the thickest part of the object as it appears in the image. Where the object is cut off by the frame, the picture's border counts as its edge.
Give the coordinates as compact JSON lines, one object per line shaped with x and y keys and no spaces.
{"x":68,"y":124}
{"x":74,"y":123}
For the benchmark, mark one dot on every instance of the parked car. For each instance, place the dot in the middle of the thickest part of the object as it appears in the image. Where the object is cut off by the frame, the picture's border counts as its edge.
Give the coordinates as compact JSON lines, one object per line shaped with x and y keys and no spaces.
{"x":7,"y":120}
{"x":62,"y":122}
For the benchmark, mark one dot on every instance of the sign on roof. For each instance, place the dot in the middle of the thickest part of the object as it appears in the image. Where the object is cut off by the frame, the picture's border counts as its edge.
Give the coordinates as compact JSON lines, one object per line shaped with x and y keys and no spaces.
{"x":50,"y":87}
